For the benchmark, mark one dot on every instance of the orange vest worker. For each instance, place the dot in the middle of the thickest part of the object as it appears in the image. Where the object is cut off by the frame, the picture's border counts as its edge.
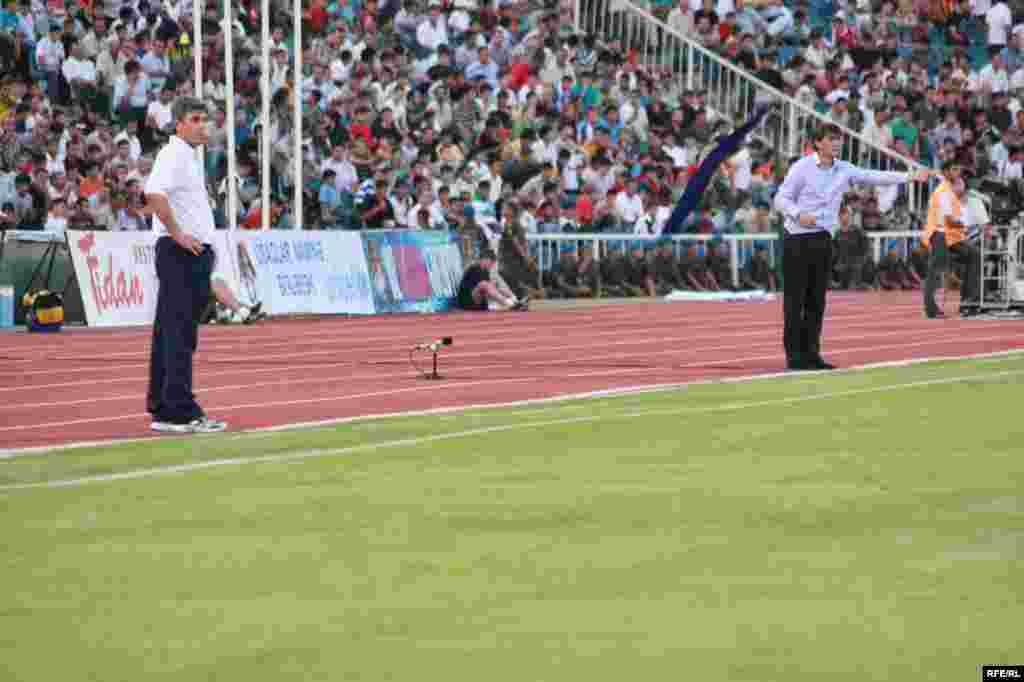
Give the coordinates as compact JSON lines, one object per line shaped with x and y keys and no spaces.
{"x":950,"y":222}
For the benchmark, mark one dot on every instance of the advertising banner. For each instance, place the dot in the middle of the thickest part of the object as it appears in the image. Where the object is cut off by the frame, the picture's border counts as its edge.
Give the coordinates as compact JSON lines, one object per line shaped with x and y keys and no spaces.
{"x":413,"y":270}
{"x":289,"y":272}
{"x":116,"y":275}
{"x":305,"y":272}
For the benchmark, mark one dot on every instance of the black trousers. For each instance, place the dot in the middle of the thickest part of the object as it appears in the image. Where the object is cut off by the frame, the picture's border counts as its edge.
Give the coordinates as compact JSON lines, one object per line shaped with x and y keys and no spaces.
{"x":939,"y":261}
{"x":806,"y":264}
{"x":184,"y":291}
{"x":970,"y":286}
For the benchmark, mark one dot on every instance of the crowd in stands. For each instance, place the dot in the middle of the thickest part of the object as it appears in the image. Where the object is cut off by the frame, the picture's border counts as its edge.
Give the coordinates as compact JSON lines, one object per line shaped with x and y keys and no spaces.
{"x":496,"y":118}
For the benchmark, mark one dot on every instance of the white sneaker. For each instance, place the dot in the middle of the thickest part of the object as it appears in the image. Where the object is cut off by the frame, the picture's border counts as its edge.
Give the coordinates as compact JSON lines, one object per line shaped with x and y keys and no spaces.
{"x":206,"y":425}
{"x":170,"y":427}
{"x":202,"y":425}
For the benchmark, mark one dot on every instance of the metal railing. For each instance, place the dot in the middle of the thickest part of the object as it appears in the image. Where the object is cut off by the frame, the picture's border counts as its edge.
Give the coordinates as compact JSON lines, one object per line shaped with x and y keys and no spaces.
{"x":545,"y":248}
{"x":731,"y":92}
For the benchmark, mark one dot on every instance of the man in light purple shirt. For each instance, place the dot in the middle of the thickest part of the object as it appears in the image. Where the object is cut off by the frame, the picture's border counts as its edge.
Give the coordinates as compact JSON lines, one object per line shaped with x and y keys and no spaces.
{"x":809,"y":202}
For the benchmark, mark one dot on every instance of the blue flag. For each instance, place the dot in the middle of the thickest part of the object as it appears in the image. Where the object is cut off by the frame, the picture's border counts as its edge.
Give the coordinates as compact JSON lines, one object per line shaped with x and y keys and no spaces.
{"x":701,"y":178}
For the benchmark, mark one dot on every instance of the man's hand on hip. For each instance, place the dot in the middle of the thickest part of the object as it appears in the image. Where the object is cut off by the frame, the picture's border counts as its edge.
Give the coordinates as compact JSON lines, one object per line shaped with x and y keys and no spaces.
{"x":188,"y":242}
{"x":807,"y":219}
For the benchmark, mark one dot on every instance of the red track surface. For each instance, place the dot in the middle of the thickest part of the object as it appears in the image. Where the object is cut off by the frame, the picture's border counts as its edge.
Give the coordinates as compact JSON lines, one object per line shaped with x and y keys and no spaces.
{"x":90,"y":384}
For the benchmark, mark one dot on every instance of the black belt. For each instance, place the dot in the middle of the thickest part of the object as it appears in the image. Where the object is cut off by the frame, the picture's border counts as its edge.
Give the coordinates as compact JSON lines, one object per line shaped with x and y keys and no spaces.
{"x":806,"y":235}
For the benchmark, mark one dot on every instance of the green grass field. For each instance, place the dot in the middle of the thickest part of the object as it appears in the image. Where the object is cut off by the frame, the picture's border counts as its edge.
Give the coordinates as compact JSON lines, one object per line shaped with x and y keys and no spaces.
{"x":858,"y":526}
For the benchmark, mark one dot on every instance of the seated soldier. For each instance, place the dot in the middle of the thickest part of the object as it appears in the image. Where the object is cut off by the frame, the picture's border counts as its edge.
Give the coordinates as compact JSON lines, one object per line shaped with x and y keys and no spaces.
{"x":613,"y":270}
{"x":588,"y":273}
{"x":893,"y":273}
{"x":694,"y":268}
{"x":758,"y":273}
{"x":853,"y":266}
{"x":667,"y":277}
{"x":518,"y":268}
{"x":639,"y":275}
{"x":565,"y":275}
{"x":718,"y":264}
{"x":478,"y":292}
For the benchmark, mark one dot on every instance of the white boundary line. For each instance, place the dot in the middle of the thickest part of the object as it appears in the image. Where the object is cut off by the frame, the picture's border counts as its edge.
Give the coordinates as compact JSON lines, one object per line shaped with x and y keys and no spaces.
{"x":499,"y":428}
{"x":266,"y":431}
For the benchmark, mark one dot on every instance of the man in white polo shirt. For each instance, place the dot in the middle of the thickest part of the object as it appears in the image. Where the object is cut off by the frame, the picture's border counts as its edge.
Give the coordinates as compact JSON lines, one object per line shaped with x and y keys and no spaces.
{"x":183,"y":219}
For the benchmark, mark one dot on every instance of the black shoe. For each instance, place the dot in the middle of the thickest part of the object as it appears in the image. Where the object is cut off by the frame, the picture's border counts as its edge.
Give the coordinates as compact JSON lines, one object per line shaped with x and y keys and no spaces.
{"x":522,"y":304}
{"x":255,"y":314}
{"x":819,"y":363}
{"x":797,"y":365}
{"x":969,"y":310}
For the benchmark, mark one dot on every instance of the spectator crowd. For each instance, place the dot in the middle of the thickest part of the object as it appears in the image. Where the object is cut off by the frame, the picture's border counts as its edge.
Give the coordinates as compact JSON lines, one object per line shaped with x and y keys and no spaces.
{"x":496,"y":118}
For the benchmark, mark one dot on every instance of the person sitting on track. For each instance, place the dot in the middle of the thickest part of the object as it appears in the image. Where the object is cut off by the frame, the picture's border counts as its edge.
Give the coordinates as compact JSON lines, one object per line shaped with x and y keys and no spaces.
{"x":477,"y":291}
{"x":221,"y":292}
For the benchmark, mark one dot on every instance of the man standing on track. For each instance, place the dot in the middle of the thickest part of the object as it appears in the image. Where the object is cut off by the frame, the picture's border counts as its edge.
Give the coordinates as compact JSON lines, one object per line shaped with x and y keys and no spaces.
{"x":809,"y":201}
{"x":945,"y":231}
{"x":176,"y":190}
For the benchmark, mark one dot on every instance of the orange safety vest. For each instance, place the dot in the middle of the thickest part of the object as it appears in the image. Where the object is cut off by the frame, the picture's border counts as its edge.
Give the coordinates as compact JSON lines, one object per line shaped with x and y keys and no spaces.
{"x":954,"y":230}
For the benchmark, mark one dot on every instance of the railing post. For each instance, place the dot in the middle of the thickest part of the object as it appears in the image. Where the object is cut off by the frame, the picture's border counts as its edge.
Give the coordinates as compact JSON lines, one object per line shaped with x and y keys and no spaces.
{"x":691,"y":57}
{"x":734,"y":261}
{"x":576,"y":16}
{"x":794,"y":132}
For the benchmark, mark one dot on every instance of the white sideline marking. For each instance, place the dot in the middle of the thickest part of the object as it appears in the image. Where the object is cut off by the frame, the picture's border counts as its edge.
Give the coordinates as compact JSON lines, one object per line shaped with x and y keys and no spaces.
{"x":500,"y":428}
{"x":263,"y":431}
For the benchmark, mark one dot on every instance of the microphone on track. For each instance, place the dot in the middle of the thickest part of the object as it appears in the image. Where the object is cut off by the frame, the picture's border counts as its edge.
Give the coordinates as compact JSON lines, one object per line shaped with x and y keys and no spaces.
{"x":434,"y":346}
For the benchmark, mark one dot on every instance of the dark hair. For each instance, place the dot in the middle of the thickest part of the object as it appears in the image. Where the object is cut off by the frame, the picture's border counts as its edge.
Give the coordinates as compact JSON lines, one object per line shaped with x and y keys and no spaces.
{"x":826,"y":130}
{"x":184,"y":106}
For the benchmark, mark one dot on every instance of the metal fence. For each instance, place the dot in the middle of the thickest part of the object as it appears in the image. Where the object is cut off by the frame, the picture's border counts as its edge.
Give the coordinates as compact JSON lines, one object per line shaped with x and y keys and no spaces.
{"x":545,"y":247}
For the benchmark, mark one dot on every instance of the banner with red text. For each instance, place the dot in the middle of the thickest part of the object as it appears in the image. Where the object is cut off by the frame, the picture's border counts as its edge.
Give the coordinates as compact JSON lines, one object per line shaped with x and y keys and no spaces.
{"x":116,"y":273}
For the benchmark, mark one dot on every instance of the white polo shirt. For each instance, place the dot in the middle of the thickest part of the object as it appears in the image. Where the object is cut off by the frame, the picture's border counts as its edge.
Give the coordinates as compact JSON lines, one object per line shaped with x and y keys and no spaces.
{"x":179,"y":175}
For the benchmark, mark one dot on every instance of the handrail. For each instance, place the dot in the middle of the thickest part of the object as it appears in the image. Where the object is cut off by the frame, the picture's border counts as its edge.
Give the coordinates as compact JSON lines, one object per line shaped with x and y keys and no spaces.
{"x":793,"y":110}
{"x":597,"y":239}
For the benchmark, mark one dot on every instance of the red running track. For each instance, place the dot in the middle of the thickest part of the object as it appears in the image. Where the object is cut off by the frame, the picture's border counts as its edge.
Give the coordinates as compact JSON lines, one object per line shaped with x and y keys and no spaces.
{"x":90,"y":384}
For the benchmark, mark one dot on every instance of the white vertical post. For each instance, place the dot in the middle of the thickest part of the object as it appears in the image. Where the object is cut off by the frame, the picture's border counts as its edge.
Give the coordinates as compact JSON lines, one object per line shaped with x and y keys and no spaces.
{"x":734,"y":261}
{"x":265,"y":147}
{"x":197,"y":44}
{"x":297,"y":212}
{"x":229,"y":98}
{"x":794,"y":131}
{"x":691,"y":58}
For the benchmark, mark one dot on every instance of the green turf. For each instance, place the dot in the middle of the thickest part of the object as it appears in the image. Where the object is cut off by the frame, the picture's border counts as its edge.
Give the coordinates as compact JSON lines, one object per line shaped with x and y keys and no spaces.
{"x":850,"y":526}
